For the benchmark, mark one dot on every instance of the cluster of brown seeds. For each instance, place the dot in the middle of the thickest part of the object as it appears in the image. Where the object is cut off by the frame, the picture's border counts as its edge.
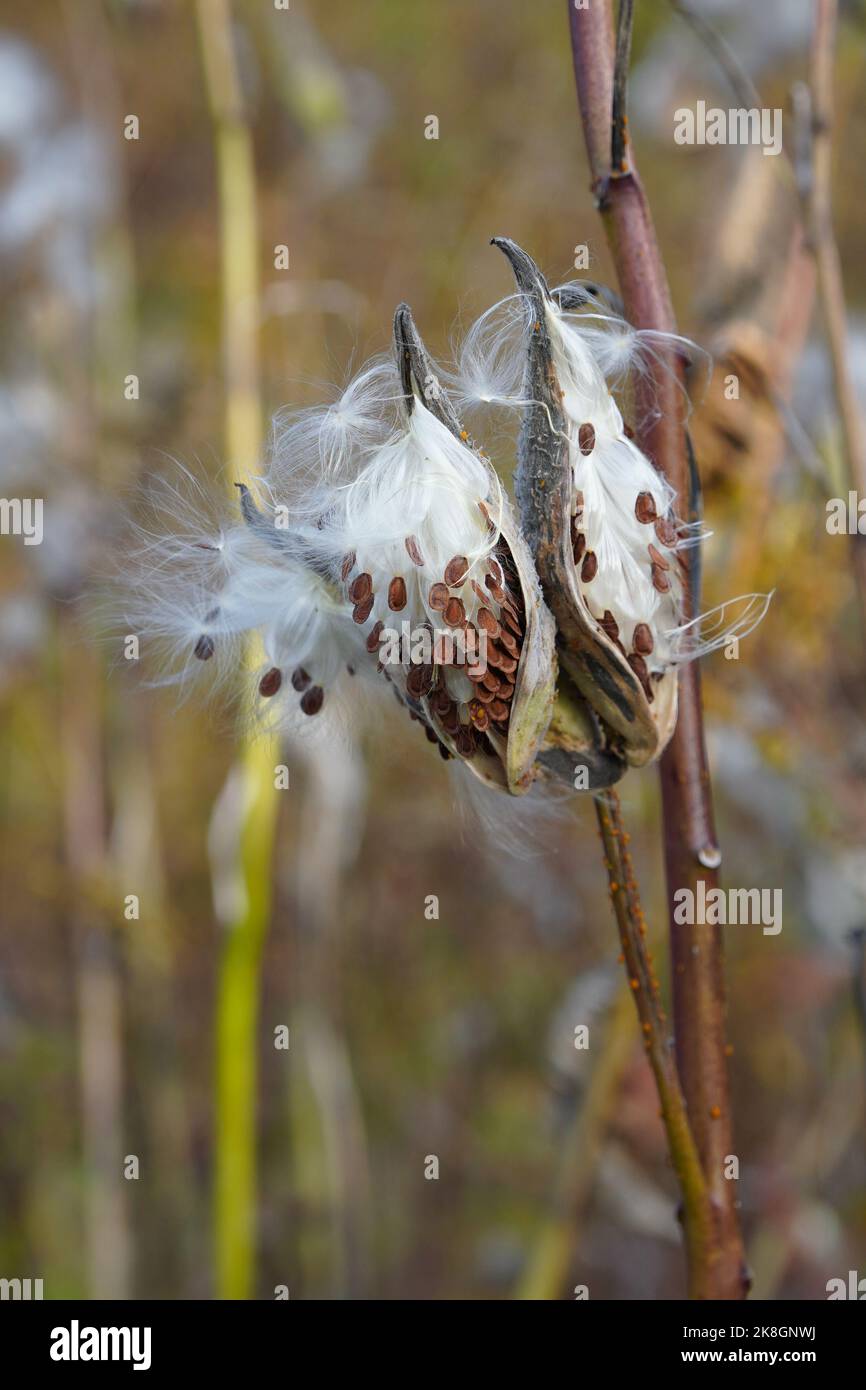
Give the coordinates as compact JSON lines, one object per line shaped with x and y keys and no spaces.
{"x":499,"y":616}
{"x":587,"y":562}
{"x":312,"y":696}
{"x":666,"y":533}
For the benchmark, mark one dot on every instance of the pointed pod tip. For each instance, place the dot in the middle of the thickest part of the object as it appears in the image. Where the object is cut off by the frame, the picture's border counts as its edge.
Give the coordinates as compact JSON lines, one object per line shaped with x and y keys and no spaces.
{"x":529,"y":278}
{"x":408,"y":347}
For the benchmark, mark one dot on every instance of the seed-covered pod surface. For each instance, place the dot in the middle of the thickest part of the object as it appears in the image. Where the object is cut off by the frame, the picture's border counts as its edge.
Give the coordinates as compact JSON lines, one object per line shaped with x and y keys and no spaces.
{"x":548,"y":732}
{"x":572,"y":552}
{"x":600,"y":518}
{"x":466,"y":577}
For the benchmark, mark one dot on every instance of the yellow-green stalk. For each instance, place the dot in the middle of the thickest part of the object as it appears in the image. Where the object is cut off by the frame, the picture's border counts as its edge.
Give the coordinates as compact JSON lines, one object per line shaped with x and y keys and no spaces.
{"x":235,"y":1201}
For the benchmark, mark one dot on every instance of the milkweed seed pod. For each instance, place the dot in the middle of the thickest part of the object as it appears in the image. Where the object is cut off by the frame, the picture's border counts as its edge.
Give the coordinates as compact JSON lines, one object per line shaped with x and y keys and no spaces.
{"x":442,"y":586}
{"x":600,"y":521}
{"x":549,"y":732}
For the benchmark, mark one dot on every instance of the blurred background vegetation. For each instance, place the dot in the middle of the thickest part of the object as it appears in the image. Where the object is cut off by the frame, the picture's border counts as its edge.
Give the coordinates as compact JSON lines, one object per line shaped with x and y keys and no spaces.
{"x":154,"y":1036}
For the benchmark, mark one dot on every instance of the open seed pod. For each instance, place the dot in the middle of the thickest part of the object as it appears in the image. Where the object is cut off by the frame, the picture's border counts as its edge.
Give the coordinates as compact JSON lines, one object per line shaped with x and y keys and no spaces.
{"x":484,"y":682}
{"x":599,"y":522}
{"x":512,"y":704}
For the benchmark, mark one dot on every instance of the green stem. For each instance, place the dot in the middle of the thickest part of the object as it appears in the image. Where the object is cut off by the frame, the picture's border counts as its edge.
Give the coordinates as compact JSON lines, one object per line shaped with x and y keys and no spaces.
{"x":235,"y":1195}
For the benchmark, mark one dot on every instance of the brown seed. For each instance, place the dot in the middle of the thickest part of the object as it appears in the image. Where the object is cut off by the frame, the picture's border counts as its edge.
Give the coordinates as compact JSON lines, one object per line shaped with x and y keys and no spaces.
{"x":348,"y":565}
{"x":413,"y":550}
{"x":204,"y":648}
{"x":441,"y":701}
{"x":502,"y":662}
{"x":471,"y":644}
{"x":578,"y":502}
{"x":639,"y":666}
{"x":491,"y":681}
{"x":478,"y":714}
{"x":430,"y":734}
{"x":456,"y":570}
{"x":495,"y":571}
{"x":657,"y":558}
{"x":455,"y":613}
{"x":491,"y":525}
{"x":450,"y":719}
{"x":498,"y":711}
{"x":660,"y":580}
{"x":270,"y":682}
{"x":610,"y":625}
{"x":300,"y":679}
{"x":666,"y":532}
{"x":419,"y":682}
{"x":362,"y":610}
{"x":509,"y":643}
{"x":512,"y":622}
{"x":642,"y":639}
{"x":438,"y":597}
{"x":485,"y":695}
{"x":397,"y":593}
{"x":313,"y":700}
{"x":478,"y":591}
{"x":645,"y":507}
{"x":586,"y":439}
{"x":443,"y":753}
{"x":373,"y":636}
{"x":487,"y":621}
{"x":628,"y":431}
{"x":589,"y":568}
{"x":361,"y":588}
{"x":443,"y":649}
{"x":465,"y":740}
{"x":506,"y":691}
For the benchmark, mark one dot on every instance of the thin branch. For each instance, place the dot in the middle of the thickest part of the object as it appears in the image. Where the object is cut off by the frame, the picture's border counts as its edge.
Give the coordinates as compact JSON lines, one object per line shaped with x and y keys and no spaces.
{"x":740,"y":82}
{"x":698,"y":1219}
{"x":619,"y":118}
{"x":691,"y":846}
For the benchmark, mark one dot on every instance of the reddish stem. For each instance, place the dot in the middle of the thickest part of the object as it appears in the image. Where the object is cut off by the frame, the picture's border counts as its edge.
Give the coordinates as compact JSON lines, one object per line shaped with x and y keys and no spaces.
{"x":691,"y":850}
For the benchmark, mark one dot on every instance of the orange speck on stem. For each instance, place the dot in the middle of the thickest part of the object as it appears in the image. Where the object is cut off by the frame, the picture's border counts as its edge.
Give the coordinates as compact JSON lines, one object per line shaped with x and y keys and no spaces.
{"x":715,"y":1112}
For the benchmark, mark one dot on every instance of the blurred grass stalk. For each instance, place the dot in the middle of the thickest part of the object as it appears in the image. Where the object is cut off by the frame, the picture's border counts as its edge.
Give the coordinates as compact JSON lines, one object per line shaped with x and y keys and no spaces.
{"x":235,"y":1203}
{"x":547,"y":1268}
{"x":815,"y":180}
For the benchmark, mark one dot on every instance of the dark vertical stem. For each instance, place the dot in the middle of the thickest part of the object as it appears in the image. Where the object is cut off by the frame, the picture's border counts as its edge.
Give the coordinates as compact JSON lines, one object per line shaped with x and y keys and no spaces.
{"x":698,"y":1213}
{"x":691,"y":849}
